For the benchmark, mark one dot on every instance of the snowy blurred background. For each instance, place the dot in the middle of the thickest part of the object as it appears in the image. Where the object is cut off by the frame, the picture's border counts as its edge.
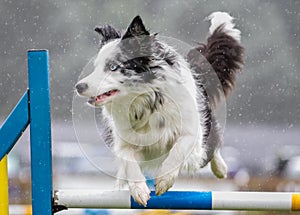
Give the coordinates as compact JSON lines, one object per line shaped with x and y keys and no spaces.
{"x":262,"y":135}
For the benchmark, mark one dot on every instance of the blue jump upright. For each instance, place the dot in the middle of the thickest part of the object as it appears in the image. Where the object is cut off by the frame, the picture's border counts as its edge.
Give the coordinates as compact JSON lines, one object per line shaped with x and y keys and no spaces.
{"x":34,"y":109}
{"x":40,"y":131}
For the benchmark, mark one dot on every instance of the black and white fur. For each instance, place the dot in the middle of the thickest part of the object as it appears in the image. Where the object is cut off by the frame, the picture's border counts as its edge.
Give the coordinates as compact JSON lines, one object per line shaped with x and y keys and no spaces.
{"x":156,"y":105}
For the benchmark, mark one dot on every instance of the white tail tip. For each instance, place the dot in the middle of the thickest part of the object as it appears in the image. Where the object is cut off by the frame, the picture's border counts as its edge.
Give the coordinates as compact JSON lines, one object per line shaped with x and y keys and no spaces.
{"x":219,"y":18}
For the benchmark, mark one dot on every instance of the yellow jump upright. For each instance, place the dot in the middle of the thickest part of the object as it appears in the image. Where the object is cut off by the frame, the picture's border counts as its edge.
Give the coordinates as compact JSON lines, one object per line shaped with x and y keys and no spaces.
{"x":3,"y":187}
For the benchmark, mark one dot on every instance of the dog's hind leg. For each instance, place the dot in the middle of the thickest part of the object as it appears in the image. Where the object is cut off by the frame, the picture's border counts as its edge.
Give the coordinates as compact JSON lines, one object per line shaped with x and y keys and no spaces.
{"x":213,"y":146}
{"x":218,"y":165}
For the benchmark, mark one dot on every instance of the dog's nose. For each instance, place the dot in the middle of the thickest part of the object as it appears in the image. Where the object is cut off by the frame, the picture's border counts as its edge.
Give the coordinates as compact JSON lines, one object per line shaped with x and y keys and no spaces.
{"x":81,"y":87}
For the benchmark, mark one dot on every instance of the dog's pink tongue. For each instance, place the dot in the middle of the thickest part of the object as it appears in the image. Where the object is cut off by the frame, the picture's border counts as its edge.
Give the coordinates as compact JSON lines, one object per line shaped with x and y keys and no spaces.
{"x":101,"y":98}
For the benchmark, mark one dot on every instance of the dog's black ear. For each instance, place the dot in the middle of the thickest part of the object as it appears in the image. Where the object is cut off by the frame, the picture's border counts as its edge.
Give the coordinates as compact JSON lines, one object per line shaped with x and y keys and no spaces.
{"x":136,"y":28}
{"x":107,"y":32}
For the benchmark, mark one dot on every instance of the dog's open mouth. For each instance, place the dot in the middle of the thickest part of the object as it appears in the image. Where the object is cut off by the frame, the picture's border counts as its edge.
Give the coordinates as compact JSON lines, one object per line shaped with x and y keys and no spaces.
{"x":97,"y":100}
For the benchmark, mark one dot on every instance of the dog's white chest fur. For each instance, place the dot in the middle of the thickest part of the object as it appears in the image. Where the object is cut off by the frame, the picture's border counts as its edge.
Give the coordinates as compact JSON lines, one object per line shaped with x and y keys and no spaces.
{"x":150,"y":121}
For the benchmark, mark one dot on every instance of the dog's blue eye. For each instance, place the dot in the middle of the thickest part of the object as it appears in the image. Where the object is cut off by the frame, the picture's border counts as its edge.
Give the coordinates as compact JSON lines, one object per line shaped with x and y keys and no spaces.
{"x":113,"y":67}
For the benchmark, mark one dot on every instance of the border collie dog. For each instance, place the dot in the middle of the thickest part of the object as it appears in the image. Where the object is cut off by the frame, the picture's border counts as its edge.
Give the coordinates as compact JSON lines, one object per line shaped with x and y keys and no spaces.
{"x":159,"y":105}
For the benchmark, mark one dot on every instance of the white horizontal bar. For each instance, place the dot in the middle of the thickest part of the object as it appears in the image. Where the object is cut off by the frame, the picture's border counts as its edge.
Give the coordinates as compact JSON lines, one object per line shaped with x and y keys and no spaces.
{"x":251,"y":201}
{"x":92,"y":199}
{"x":180,"y":200}
{"x":20,"y":209}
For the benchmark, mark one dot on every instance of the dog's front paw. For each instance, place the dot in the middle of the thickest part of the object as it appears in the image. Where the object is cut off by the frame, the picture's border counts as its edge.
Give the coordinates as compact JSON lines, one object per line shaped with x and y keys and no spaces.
{"x":164,"y":183}
{"x":140,"y":192}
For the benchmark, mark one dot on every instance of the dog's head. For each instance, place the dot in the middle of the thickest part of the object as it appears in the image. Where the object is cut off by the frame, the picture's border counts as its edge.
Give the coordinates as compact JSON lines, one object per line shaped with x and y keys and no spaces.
{"x":125,"y":63}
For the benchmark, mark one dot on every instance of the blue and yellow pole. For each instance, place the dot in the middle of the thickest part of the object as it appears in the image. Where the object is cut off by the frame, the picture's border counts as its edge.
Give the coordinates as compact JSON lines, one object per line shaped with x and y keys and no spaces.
{"x":3,"y":186}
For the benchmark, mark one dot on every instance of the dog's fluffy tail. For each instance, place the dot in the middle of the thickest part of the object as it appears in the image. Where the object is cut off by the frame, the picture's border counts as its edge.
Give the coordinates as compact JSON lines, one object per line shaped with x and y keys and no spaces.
{"x":224,"y":53}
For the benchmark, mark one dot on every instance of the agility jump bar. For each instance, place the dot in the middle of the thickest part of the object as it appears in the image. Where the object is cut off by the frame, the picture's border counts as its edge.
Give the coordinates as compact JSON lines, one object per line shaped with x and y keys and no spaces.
{"x":180,"y":200}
